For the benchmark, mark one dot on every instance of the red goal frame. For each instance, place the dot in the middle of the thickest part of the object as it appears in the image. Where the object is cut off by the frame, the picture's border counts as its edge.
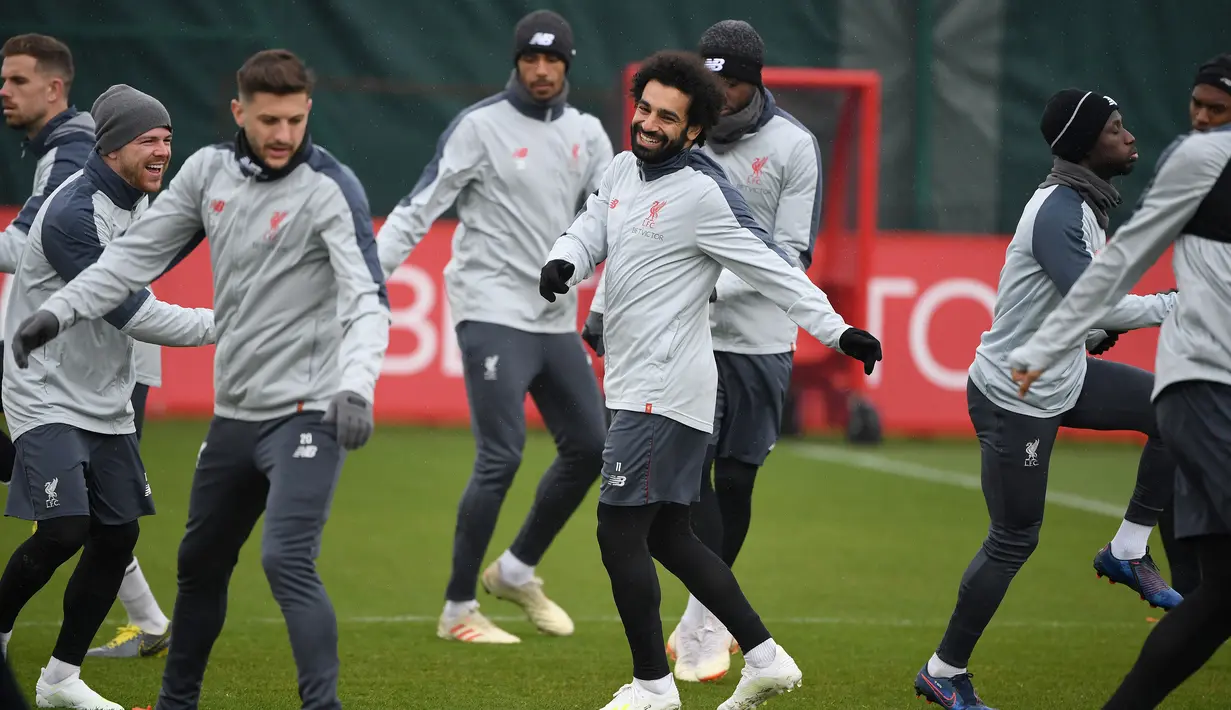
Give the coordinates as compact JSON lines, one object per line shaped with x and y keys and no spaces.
{"x":847,"y":234}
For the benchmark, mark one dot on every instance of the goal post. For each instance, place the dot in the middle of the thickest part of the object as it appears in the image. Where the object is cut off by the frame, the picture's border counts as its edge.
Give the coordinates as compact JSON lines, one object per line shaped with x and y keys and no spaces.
{"x":842,"y":107}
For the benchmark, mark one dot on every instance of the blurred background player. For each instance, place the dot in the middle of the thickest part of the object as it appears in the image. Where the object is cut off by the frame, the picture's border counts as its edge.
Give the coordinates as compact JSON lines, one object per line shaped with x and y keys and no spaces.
{"x":1186,"y":205}
{"x":1062,"y":227}
{"x":79,"y":472}
{"x":37,"y":74}
{"x":775,"y":163}
{"x":518,"y":164}
{"x":672,"y":221}
{"x":286,"y":411}
{"x":148,"y":631}
{"x":1209,"y":107}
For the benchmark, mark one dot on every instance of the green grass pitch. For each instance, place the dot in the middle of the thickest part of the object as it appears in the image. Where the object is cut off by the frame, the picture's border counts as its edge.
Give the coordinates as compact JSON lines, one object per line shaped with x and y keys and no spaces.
{"x":854,"y":570}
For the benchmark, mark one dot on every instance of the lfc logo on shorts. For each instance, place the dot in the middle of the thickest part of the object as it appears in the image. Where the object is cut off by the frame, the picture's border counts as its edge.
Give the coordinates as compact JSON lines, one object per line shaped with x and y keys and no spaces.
{"x":49,"y":488}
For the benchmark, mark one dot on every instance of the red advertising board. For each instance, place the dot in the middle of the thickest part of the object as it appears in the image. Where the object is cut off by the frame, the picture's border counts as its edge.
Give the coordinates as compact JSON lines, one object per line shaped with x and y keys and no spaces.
{"x":929,"y":298}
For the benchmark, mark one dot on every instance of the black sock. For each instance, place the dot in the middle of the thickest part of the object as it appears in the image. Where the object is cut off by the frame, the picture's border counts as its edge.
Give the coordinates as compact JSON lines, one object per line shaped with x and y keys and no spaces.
{"x":36,"y":560}
{"x":733,"y":482}
{"x":1181,"y":555}
{"x":623,"y":534}
{"x":1186,"y":637}
{"x":706,"y":576}
{"x":1155,"y":487}
{"x":705,"y":515}
{"x":93,"y":587}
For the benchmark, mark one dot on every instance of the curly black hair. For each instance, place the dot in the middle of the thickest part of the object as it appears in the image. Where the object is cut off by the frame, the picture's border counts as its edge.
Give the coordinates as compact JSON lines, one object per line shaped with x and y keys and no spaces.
{"x":686,"y":72}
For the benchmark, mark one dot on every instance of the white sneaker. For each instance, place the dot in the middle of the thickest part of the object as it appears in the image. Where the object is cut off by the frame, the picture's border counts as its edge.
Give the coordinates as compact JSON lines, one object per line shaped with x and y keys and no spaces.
{"x":546,"y":615}
{"x":671,"y":654}
{"x":756,"y":685}
{"x":632,"y":697}
{"x":473,"y":628}
{"x":71,"y":692}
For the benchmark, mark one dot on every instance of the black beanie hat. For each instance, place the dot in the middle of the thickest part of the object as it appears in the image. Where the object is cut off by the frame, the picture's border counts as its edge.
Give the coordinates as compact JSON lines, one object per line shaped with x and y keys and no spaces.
{"x":1216,"y":73}
{"x":544,"y":31}
{"x":732,"y":48}
{"x":1073,"y":120}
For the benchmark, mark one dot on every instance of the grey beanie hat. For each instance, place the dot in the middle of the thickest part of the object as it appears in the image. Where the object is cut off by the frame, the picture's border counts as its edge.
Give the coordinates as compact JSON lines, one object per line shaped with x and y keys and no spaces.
{"x":733,"y":48}
{"x":122,"y":113}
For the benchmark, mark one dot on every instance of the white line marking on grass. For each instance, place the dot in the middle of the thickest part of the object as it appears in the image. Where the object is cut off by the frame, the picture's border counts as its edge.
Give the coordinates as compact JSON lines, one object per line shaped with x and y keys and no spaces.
{"x":919,"y":472}
{"x":410,"y":619}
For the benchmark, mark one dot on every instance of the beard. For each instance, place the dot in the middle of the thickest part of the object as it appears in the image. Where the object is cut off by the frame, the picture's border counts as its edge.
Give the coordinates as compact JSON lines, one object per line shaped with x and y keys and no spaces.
{"x":667,"y":148}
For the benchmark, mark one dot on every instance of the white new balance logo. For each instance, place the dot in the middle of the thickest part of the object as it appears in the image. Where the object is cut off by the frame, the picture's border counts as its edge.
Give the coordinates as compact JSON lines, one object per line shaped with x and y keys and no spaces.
{"x":306,"y":449}
{"x":617,"y":481}
{"x":543,"y":39}
{"x":715,"y":63}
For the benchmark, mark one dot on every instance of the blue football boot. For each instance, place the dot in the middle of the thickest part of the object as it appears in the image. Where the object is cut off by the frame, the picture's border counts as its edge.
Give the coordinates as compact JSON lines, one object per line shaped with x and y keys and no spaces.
{"x":1140,"y":575}
{"x":956,"y":693}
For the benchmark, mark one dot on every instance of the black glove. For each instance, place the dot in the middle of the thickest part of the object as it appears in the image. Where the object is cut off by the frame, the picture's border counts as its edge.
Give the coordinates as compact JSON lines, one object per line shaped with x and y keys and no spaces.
{"x":714,"y":295}
{"x":1106,"y":343}
{"x":554,"y":278}
{"x":592,"y":332}
{"x":861,"y":345}
{"x":353,"y":416}
{"x":33,"y":333}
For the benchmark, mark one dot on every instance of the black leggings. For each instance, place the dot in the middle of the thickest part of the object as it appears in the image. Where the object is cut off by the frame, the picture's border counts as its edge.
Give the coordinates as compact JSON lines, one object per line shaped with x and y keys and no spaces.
{"x":630,"y":539}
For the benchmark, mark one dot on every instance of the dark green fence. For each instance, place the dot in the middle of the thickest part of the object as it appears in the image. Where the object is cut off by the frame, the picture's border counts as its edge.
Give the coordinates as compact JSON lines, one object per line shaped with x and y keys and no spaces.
{"x":965,"y":80}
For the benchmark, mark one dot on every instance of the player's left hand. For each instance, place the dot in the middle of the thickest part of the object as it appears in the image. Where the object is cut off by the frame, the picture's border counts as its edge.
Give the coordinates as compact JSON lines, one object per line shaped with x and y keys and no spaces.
{"x":353,"y":416}
{"x":1107,"y":343}
{"x":34,"y":332}
{"x":861,"y":345}
{"x":1024,"y":379}
{"x":554,"y":278}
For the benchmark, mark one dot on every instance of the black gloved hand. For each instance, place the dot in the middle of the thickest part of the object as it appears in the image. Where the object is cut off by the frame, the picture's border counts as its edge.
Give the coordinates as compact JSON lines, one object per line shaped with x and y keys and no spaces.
{"x":861,"y":345}
{"x":1107,"y":343}
{"x":33,"y":333}
{"x":554,"y":278}
{"x":353,"y":416}
{"x":714,"y":295}
{"x":592,"y":332}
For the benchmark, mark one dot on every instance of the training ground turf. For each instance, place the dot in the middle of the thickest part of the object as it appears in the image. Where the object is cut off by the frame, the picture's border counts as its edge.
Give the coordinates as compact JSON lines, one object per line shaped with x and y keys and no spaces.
{"x":853,"y":569}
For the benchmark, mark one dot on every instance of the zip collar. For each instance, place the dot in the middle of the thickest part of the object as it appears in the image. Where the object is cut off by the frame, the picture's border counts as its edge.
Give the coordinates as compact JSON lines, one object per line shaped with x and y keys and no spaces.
{"x":110,"y":183}
{"x":253,"y":167}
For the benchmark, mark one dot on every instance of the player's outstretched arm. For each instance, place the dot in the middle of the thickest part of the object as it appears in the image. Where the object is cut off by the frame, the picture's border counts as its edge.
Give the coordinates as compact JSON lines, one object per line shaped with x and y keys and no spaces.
{"x":1178,"y":190}
{"x":159,"y":239}
{"x":730,"y":236}
{"x":363,"y":306}
{"x":460,"y":158}
{"x":583,"y":246}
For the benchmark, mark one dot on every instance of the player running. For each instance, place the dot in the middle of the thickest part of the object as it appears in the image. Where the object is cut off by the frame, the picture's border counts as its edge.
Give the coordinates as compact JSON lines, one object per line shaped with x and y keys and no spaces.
{"x":517,"y":164}
{"x":1061,"y":228}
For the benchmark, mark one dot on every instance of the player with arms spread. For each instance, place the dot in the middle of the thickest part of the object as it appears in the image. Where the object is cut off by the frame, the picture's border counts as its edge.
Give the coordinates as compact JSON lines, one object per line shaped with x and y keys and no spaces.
{"x":666,"y":221}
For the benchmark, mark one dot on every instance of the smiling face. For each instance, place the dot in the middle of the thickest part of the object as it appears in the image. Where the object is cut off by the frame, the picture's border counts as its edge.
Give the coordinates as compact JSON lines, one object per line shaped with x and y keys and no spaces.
{"x":660,"y":127}
{"x":143,"y":162}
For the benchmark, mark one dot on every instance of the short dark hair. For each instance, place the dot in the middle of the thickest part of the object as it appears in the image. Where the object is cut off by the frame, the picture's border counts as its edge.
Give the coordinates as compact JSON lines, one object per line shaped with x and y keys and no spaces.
{"x":50,"y":54}
{"x":274,"y":71}
{"x":685,"y":72}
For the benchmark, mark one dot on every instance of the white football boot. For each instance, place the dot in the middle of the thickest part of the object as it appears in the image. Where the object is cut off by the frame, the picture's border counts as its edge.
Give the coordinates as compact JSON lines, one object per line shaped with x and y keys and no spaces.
{"x":633,"y":697}
{"x":546,"y":615}
{"x":704,"y":654}
{"x":71,"y":692}
{"x":473,"y":627}
{"x":757,"y":685}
